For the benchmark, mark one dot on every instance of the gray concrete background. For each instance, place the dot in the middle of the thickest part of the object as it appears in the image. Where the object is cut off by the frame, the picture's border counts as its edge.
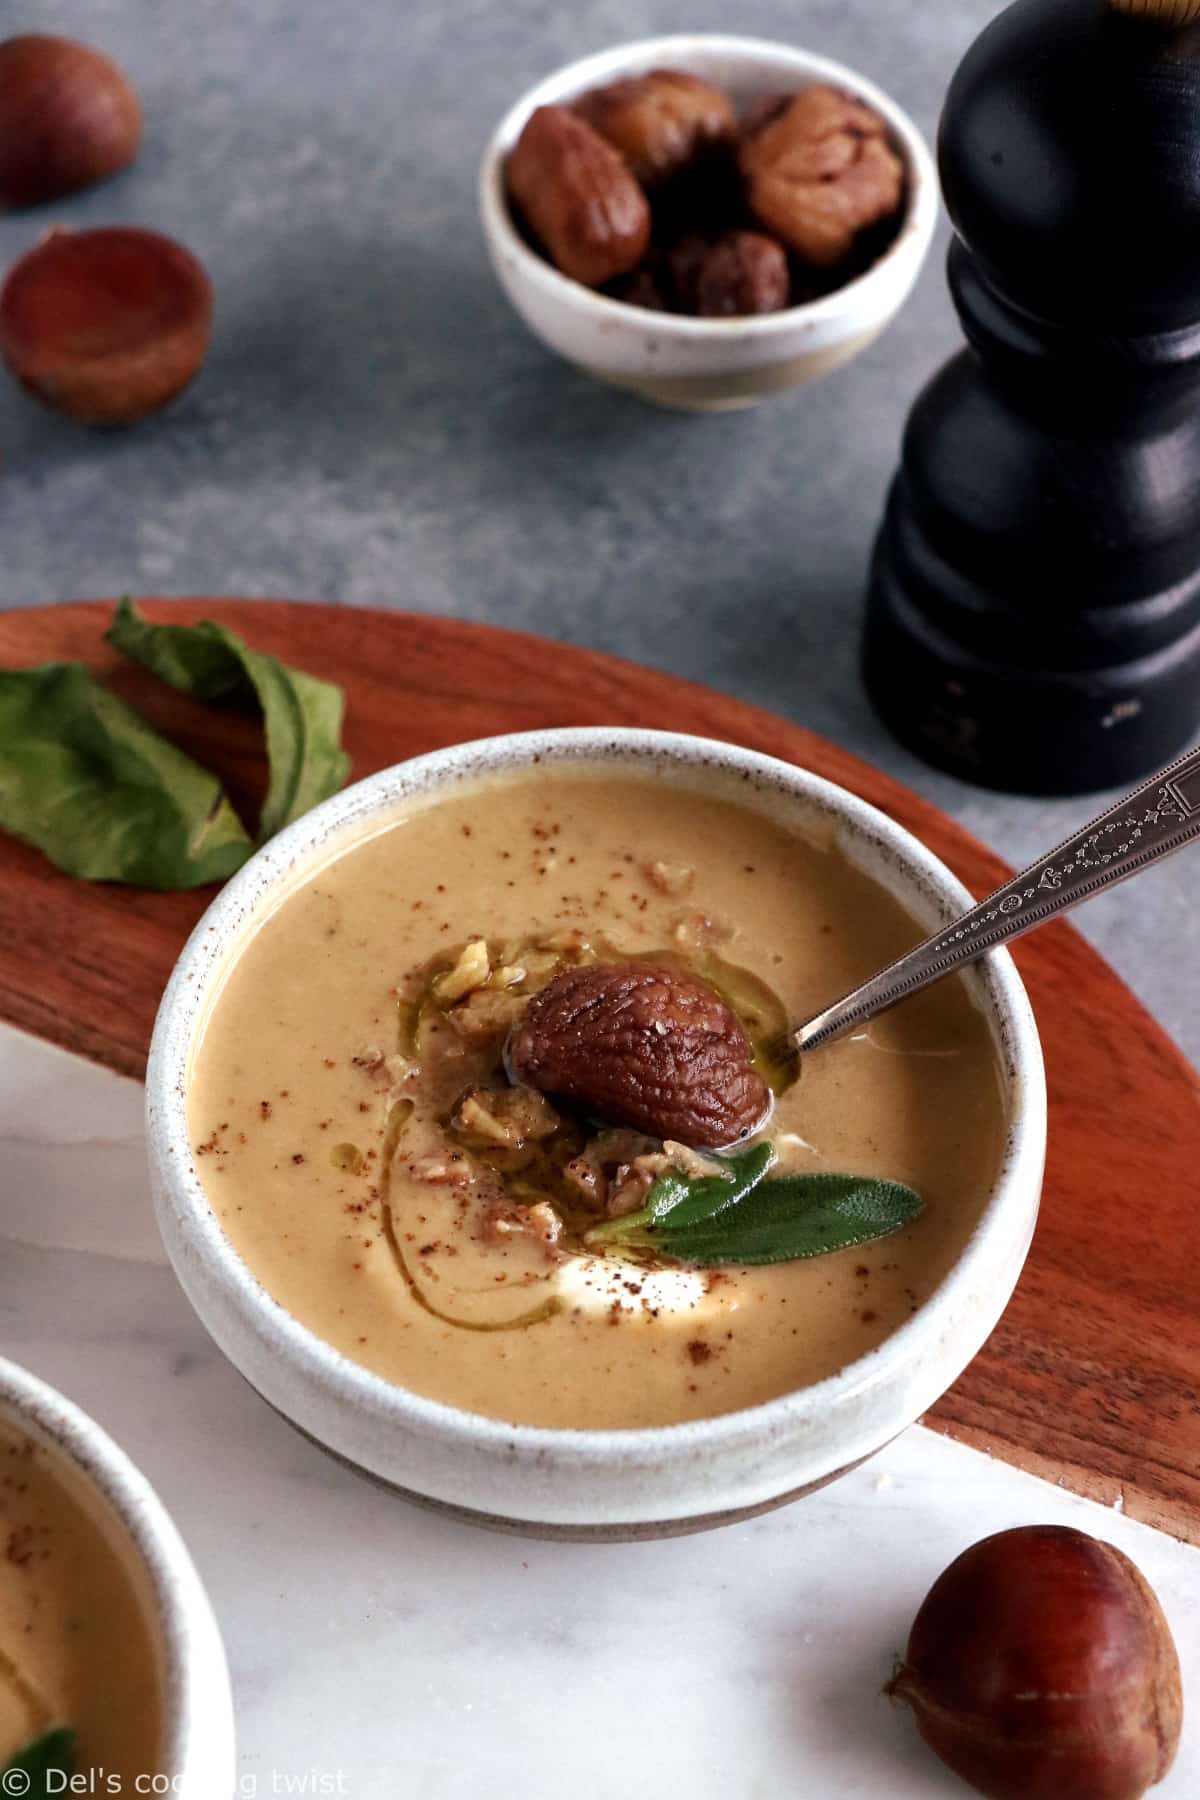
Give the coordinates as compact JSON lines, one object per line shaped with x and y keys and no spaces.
{"x":374,"y":426}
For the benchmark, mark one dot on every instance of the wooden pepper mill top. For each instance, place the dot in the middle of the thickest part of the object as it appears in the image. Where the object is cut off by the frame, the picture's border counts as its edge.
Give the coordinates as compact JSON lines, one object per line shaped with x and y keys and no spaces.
{"x":1033,"y":617}
{"x":1070,"y":161}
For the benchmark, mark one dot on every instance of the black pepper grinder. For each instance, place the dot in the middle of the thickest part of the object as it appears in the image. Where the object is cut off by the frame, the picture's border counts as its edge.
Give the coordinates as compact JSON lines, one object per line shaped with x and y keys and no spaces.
{"x":1033,"y":617}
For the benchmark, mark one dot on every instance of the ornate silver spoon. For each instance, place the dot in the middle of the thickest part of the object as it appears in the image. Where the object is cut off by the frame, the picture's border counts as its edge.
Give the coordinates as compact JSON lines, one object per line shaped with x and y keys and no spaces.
{"x":1154,"y":820}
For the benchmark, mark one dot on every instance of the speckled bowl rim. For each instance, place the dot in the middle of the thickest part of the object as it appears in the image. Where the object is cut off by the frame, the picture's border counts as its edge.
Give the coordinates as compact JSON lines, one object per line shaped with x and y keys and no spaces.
{"x":807,"y":67}
{"x":345,"y":819}
{"x":183,"y":1615}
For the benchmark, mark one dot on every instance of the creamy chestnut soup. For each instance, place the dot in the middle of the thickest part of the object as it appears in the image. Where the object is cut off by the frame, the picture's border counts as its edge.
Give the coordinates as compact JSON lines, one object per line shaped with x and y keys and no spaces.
{"x":363,"y":1149}
{"x":76,"y":1649}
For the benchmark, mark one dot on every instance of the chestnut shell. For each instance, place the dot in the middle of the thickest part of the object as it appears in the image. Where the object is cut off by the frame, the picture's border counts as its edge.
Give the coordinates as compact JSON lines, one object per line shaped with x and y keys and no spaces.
{"x":108,"y":325}
{"x":1040,"y":1667}
{"x":69,"y":117}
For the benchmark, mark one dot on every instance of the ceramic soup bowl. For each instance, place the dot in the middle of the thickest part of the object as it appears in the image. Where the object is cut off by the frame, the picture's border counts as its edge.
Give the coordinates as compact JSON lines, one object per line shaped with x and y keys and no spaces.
{"x":603,"y":1483}
{"x":197,"y":1759}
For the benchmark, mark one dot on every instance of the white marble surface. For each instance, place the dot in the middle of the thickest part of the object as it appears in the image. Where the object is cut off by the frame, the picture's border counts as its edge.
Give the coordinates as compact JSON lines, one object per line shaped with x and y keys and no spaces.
{"x":382,"y":1652}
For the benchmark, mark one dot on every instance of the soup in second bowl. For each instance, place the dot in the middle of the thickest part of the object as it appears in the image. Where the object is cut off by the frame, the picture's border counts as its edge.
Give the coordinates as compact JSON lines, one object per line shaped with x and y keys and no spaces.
{"x":78,"y":1655}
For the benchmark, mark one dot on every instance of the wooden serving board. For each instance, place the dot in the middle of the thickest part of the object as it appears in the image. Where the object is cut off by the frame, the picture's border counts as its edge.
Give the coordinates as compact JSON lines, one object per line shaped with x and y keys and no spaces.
{"x":1092,"y":1376}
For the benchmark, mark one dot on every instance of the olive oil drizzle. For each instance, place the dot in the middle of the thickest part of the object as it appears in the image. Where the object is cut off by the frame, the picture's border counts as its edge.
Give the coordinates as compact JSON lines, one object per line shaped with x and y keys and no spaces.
{"x":398,"y":1115}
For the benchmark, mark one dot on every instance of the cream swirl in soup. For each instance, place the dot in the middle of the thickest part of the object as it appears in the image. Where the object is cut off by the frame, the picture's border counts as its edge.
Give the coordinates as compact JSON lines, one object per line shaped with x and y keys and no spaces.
{"x":363,"y":1151}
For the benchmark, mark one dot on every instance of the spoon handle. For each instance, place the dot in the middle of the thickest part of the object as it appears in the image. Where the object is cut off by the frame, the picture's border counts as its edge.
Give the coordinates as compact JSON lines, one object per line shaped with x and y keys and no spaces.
{"x":1155,"y":819}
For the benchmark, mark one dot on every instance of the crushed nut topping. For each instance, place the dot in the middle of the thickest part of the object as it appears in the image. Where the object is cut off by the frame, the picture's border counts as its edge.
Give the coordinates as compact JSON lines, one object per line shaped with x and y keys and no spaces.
{"x":511,"y":1116}
{"x":484,"y":1017}
{"x":670,"y":877}
{"x":504,"y":1219}
{"x":470,"y":971}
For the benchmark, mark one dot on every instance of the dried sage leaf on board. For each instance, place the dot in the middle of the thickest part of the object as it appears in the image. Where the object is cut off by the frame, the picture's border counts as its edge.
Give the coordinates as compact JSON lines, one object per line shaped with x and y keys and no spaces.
{"x":103,"y":795}
{"x":302,"y":715}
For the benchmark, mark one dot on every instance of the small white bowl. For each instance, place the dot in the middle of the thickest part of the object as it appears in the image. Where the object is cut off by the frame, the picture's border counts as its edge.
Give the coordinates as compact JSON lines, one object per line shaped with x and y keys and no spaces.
{"x":707,"y":365}
{"x":594,"y":1483}
{"x":198,"y":1758}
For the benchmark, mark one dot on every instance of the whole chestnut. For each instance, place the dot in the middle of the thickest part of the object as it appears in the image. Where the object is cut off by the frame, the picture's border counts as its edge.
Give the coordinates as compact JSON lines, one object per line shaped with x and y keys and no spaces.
{"x":820,"y":172}
{"x":105,"y":326}
{"x":69,"y":117}
{"x":577,"y":196}
{"x":1040,"y":1667}
{"x":660,"y":122}
{"x":741,"y":274}
{"x":645,"y":1046}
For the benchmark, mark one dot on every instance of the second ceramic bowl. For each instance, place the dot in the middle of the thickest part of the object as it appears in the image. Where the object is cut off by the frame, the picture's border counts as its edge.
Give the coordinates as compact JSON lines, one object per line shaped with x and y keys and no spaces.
{"x":570,"y":1482}
{"x":196,"y":1759}
{"x":707,"y":365}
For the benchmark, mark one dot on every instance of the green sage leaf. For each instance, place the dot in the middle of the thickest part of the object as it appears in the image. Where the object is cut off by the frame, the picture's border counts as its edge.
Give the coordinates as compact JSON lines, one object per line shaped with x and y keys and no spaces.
{"x":790,"y":1217}
{"x":51,"y":1754}
{"x":708,"y":1195}
{"x":302,"y":715}
{"x":676,"y":1199}
{"x":743,"y":1217}
{"x":99,"y":791}
{"x":189,"y":658}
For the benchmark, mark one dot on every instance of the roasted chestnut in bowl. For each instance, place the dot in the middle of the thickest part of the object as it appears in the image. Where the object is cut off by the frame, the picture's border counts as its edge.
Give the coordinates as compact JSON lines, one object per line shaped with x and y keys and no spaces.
{"x":707,"y":219}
